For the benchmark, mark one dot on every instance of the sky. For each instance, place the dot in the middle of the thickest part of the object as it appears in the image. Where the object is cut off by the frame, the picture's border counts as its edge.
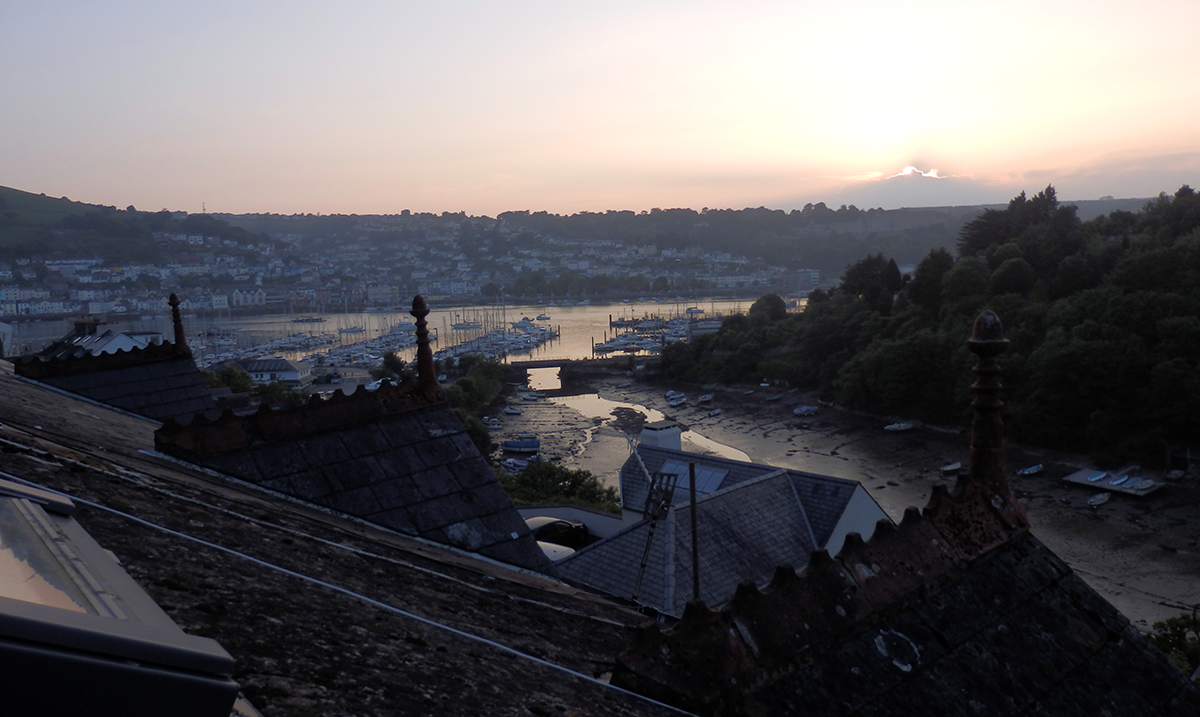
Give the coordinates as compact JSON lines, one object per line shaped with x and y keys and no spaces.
{"x":363,"y":107}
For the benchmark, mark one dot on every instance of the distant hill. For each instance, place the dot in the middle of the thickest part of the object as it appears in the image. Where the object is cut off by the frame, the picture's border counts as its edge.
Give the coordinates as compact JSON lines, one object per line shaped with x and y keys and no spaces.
{"x":34,"y":224}
{"x":25,"y":216}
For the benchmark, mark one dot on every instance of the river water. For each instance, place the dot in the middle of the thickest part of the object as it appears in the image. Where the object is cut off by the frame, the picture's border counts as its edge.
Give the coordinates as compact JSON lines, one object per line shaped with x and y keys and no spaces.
{"x":579,"y":327}
{"x":591,"y":405}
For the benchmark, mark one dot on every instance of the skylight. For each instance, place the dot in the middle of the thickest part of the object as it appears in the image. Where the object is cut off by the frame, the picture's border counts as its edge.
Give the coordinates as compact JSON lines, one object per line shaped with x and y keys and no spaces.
{"x":708,"y":478}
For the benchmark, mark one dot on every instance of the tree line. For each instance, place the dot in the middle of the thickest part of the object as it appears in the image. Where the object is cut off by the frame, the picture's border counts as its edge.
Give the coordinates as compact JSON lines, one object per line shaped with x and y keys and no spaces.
{"x":1103,"y":319}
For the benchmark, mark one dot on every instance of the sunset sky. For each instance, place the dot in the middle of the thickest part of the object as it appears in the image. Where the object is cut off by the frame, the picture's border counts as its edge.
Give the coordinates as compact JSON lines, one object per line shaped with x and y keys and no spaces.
{"x":462,"y":105}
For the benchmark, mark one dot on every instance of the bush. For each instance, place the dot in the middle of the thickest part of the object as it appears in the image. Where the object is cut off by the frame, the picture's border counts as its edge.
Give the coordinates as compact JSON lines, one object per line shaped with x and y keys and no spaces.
{"x":543,"y":482}
{"x":1179,"y":638}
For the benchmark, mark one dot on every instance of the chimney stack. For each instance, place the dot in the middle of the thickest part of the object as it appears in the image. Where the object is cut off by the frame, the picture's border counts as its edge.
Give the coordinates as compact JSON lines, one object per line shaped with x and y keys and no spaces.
{"x":987,"y":469}
{"x":425,"y":373}
{"x":662,"y":434}
{"x":177,"y":320}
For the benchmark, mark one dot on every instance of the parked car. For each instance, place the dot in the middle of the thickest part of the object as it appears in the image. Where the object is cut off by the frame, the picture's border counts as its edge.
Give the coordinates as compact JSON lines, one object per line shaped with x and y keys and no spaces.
{"x":567,"y":533}
{"x":554,"y":551}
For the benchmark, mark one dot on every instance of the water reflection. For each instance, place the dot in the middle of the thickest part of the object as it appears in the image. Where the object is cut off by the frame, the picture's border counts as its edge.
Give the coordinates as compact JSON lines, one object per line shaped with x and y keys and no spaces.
{"x":544,"y":379}
{"x":593,"y":406}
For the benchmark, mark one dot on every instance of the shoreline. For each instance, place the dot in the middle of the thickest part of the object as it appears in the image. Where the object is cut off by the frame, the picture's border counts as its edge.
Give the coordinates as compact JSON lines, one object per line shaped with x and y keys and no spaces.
{"x":1141,"y":553}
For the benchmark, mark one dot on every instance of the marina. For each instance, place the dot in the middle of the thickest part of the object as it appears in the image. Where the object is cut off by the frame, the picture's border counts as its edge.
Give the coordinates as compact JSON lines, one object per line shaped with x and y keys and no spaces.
{"x":550,"y":331}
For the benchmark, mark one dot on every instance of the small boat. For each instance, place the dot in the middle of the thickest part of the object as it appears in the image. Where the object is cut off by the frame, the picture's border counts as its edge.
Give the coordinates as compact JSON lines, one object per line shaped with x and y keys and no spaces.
{"x":901,"y":426}
{"x":542,"y":317}
{"x":627,"y":384}
{"x":748,"y":392}
{"x":513,"y":464}
{"x":1119,"y":480}
{"x":715,"y":412}
{"x":1146,"y":484}
{"x":672,"y":394}
{"x":1099,"y":499}
{"x":677,"y":402}
{"x":951,"y":467}
{"x":1097,"y":476}
{"x":1133,"y":482}
{"x":804,"y":410}
{"x":531,"y":397}
{"x":512,"y":410}
{"x":524,"y":443}
{"x":1030,"y":471}
{"x":705,"y":398}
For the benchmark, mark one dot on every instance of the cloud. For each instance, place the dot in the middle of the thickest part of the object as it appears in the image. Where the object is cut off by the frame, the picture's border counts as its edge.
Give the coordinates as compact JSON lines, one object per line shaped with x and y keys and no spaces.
{"x":910,"y":171}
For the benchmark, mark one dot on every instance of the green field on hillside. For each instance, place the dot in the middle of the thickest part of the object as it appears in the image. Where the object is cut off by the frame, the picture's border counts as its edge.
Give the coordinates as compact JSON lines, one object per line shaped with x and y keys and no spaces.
{"x":24,"y":216}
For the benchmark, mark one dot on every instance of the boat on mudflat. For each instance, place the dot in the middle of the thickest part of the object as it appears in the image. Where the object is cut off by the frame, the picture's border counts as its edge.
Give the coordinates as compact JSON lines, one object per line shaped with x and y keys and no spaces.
{"x":1031,"y":470}
{"x":804,"y":410}
{"x":524,"y":443}
{"x":901,"y":426}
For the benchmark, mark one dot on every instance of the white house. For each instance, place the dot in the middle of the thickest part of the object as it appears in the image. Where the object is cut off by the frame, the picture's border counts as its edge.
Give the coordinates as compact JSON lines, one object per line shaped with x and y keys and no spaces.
{"x":277,"y":369}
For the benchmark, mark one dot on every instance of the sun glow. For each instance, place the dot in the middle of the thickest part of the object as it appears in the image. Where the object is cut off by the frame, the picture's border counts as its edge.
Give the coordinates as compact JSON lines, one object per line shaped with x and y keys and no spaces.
{"x":910,"y":171}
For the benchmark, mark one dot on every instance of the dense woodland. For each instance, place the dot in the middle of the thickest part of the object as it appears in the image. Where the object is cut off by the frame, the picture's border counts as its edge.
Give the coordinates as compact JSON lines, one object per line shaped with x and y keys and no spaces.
{"x":1103,"y":319}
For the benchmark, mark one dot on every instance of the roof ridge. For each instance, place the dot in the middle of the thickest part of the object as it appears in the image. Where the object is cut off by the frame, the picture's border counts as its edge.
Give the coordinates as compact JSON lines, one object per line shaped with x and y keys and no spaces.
{"x":230,"y":431}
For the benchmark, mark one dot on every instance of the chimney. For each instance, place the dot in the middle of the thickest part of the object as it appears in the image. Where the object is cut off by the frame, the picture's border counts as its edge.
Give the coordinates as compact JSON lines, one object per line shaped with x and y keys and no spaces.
{"x":986,"y":468}
{"x":662,"y":434}
{"x":426,"y":376}
{"x":87,"y":325}
{"x":177,"y":320}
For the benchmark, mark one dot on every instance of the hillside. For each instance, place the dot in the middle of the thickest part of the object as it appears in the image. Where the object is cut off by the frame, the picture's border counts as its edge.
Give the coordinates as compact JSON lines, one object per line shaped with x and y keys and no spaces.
{"x":1102,"y":319}
{"x":25,"y":216}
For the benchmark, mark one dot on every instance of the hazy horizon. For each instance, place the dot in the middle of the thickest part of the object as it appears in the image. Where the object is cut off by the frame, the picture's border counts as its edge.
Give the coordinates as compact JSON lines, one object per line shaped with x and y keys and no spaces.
{"x":467,"y":106}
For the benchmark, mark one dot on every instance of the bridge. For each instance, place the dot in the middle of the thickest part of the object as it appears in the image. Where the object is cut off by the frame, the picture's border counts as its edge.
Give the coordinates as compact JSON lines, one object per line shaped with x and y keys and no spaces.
{"x":607,"y":361}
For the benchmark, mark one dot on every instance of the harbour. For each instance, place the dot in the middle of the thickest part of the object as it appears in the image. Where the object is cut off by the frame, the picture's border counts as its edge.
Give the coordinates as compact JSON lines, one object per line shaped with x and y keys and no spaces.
{"x":507,"y":333}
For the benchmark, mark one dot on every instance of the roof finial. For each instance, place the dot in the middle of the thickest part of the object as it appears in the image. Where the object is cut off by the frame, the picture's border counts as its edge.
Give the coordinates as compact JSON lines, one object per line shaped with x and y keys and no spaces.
{"x":987,"y":430}
{"x":180,"y":337}
{"x":425,"y":372}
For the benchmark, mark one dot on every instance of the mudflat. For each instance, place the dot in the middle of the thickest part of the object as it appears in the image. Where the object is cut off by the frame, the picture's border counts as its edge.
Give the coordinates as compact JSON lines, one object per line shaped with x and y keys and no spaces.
{"x":1141,"y":553}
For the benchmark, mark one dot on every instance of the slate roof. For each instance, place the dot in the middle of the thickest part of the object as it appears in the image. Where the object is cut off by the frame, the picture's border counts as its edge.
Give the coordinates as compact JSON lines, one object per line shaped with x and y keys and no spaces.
{"x":268,"y":365}
{"x":159,"y":381}
{"x":303,"y":648}
{"x":823,"y":497}
{"x":156,"y":389}
{"x":396,"y":456}
{"x":959,"y":610}
{"x":747,"y":529}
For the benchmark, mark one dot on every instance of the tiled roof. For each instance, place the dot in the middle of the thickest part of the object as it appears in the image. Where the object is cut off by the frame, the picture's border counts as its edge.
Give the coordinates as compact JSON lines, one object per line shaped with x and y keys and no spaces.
{"x":415,"y":472}
{"x":823,"y":498}
{"x":159,"y":381}
{"x":634,"y":484}
{"x":160,"y":390}
{"x":396,"y":456}
{"x":745,"y":532}
{"x":265,"y":365}
{"x":1014,"y":633}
